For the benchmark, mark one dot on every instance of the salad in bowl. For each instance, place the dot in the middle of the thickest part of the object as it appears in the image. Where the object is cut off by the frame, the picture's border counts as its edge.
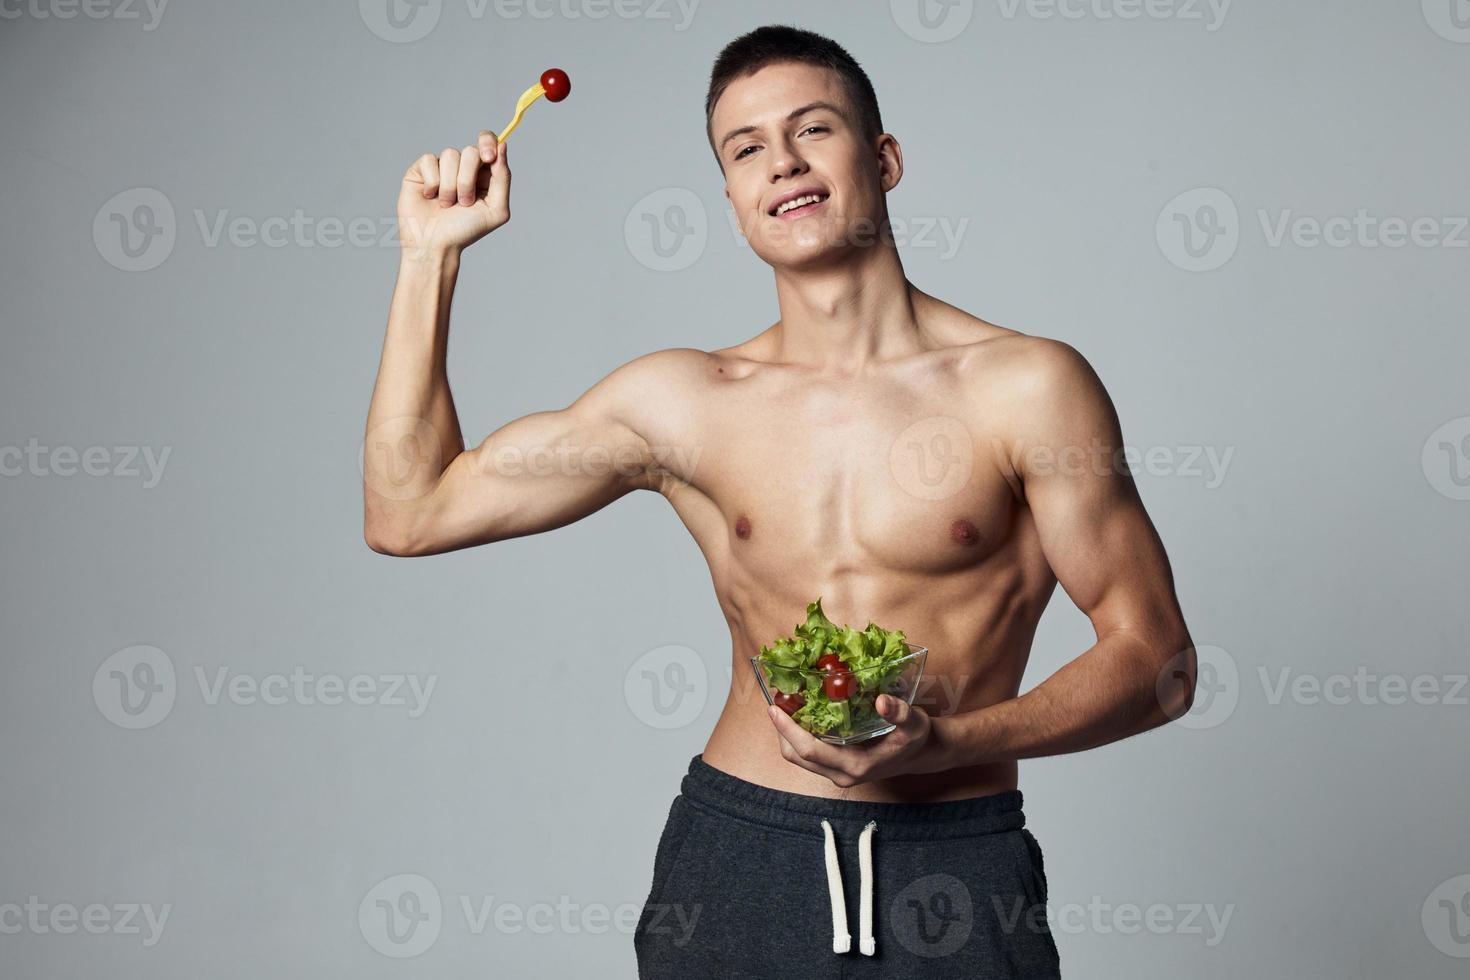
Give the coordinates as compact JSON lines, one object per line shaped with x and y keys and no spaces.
{"x":828,"y":677}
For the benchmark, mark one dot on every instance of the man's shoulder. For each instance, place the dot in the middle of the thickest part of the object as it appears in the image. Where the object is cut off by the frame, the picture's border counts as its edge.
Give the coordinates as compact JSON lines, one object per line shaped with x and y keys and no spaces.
{"x":988,"y":352}
{"x":1006,"y":363}
{"x":663,"y":367}
{"x":676,"y":366}
{"x":670,"y":379}
{"x":1034,"y":391}
{"x":1027,"y":361}
{"x":1026,"y":384}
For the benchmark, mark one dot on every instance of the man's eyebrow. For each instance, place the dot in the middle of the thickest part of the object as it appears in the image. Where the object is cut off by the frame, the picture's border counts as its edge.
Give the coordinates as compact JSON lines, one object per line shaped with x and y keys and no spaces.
{"x":793,"y":114}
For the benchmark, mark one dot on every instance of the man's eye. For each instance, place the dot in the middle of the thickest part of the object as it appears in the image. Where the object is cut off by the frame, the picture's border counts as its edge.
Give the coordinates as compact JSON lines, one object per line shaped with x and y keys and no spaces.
{"x":814,"y":128}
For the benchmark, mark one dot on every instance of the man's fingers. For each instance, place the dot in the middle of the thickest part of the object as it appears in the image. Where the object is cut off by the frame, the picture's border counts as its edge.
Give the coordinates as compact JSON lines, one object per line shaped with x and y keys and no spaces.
{"x":895,"y":709}
{"x":803,"y":743}
{"x":448,"y":176}
{"x":427,"y":170}
{"x":457,"y":176}
{"x":793,"y":756}
{"x":469,"y":166}
{"x":488,"y":145}
{"x":497,"y":192}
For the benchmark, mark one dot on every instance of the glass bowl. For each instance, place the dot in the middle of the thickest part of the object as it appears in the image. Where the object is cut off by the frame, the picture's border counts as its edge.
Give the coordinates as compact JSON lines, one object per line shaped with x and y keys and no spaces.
{"x":859,"y":719}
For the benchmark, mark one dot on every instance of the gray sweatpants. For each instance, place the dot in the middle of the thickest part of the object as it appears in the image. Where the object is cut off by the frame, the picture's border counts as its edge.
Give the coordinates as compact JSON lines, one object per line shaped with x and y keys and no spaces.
{"x":752,"y":882}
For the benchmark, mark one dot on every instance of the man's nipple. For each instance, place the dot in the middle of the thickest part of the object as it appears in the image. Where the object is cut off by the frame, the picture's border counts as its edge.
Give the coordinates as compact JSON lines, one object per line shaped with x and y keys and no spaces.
{"x":964,"y":532}
{"x":742,"y":527}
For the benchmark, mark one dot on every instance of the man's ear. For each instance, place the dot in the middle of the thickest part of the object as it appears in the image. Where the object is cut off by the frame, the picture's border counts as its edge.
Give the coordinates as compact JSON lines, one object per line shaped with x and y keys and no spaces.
{"x":890,"y":162}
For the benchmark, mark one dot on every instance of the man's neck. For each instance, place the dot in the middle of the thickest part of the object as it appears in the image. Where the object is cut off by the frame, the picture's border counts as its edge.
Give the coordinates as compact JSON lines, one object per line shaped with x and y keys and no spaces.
{"x":842,"y":318}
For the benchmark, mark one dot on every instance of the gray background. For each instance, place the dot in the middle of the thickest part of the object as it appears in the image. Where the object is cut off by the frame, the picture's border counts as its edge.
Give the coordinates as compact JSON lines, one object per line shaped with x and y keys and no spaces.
{"x":1333,"y":543}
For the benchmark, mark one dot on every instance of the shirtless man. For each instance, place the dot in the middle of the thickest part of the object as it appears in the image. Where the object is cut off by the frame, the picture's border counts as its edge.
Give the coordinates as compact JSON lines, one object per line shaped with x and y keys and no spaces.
{"x":907,"y":462}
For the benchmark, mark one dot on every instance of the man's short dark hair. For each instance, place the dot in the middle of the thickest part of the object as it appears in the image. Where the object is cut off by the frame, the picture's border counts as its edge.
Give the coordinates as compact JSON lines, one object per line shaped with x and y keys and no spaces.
{"x":780,"y":44}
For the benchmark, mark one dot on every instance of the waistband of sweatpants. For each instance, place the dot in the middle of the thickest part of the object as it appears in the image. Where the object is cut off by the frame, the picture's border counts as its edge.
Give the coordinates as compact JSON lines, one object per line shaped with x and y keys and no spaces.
{"x":717,"y":790}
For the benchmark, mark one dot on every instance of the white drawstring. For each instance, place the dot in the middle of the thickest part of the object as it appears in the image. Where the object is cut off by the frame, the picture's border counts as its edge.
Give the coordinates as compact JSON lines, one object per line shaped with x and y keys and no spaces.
{"x":841,"y":938}
{"x":865,"y":868}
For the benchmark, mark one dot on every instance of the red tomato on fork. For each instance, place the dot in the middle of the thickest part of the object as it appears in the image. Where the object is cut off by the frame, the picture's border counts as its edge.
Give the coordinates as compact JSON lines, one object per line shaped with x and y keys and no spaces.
{"x":556,"y":84}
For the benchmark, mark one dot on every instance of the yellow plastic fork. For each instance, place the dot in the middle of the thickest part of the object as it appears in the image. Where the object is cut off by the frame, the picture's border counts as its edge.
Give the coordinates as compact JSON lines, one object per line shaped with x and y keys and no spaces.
{"x":527,"y":97}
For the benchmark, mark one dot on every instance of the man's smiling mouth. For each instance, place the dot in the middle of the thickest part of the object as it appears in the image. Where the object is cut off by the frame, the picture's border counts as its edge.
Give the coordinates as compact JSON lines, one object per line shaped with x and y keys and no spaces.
{"x":799,"y":204}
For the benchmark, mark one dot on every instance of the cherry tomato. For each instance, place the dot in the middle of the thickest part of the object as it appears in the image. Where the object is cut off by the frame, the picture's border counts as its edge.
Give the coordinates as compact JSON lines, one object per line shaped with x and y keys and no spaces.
{"x":789,"y":703}
{"x":839,"y":685}
{"x":556,"y":83}
{"x":830,"y":661}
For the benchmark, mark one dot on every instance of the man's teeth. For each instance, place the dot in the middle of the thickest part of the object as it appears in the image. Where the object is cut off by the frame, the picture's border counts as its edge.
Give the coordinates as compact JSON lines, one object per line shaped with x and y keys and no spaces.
{"x":800,"y":202}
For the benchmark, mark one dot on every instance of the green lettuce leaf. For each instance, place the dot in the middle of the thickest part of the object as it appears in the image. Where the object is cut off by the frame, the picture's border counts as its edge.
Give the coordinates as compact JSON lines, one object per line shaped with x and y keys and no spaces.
{"x":823,"y":716}
{"x":872,"y":654}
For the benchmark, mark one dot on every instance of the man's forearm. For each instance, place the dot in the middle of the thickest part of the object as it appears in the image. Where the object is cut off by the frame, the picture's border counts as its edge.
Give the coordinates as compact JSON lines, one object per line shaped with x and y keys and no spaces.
{"x":412,"y":429}
{"x":1110,"y":692}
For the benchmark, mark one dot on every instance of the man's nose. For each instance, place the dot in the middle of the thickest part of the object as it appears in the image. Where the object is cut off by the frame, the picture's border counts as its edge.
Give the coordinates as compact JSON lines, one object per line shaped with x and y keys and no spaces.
{"x":785,"y":163}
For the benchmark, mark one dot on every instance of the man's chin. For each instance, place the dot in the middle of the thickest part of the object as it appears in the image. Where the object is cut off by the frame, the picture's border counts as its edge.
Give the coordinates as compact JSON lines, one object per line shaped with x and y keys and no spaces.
{"x":805,"y":249}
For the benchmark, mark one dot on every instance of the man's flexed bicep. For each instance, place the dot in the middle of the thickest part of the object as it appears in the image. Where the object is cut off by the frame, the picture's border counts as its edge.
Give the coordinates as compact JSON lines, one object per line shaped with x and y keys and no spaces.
{"x":536,"y":473}
{"x":1066,"y":449}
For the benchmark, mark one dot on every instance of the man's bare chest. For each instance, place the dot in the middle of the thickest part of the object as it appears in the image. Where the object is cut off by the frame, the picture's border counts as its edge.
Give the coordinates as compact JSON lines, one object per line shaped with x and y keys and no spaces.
{"x":901,"y":478}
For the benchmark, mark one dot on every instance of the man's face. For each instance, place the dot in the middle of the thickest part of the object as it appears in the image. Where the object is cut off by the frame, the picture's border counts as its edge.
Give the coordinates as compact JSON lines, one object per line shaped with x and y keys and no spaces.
{"x":788,"y":130}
